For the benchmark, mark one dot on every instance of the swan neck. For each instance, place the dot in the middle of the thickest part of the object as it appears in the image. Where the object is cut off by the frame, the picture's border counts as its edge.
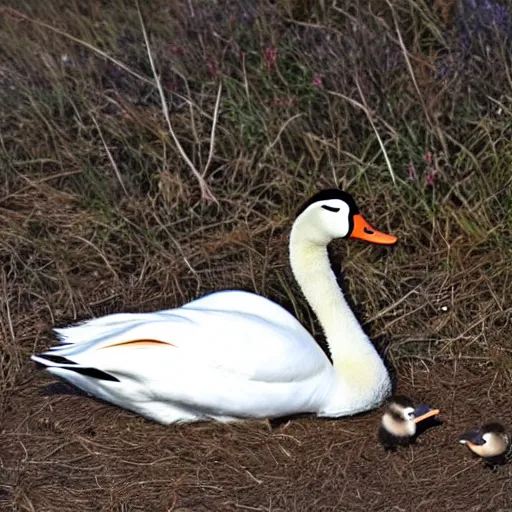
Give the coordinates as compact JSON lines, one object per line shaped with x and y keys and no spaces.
{"x":362,"y":380}
{"x":312,"y":270}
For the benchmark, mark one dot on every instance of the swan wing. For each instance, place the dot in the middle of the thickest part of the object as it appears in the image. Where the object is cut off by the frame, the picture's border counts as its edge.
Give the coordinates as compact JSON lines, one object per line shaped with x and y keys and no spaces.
{"x":236,"y":332}
{"x":231,"y":356}
{"x":234,"y":301}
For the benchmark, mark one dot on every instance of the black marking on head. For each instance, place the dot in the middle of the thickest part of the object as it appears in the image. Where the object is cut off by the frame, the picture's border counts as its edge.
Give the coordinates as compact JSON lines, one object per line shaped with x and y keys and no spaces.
{"x":331,"y":193}
{"x":330,"y":208}
{"x":401,"y":400}
{"x":474,"y":435}
{"x":94,"y":373}
{"x":396,"y":415}
{"x":493,"y":427}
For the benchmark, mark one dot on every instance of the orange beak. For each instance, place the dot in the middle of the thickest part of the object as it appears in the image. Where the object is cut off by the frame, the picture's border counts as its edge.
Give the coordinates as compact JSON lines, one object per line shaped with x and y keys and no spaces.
{"x":363,"y":231}
{"x":429,"y":414}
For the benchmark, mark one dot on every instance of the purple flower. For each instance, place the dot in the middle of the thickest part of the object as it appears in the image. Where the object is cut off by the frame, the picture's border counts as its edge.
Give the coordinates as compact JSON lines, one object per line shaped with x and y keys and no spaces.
{"x":213,"y":70}
{"x":483,"y":18}
{"x":411,"y":171}
{"x":270,"y":55}
{"x":317,"y":80}
{"x":430,"y":177}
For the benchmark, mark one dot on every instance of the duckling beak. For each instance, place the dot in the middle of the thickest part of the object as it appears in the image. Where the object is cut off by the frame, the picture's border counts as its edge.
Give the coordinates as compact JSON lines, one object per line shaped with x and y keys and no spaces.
{"x":423,"y":411}
{"x":472,"y":437}
{"x":363,"y":231}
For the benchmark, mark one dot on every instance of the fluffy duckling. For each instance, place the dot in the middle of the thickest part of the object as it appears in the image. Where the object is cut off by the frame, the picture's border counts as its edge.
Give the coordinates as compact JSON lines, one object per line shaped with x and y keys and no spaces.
{"x":399,"y":425}
{"x":490,"y":442}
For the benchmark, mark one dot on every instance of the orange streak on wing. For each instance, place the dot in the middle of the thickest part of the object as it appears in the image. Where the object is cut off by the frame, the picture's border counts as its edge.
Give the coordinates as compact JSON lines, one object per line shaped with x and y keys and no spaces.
{"x":140,"y":344}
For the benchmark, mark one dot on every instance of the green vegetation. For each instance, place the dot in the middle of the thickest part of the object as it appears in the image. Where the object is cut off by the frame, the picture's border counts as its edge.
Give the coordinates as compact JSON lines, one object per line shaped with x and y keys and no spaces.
{"x":100,"y":211}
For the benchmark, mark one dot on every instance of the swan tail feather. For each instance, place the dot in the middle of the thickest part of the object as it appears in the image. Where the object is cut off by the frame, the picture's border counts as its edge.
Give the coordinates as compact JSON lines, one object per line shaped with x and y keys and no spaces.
{"x":52,"y":361}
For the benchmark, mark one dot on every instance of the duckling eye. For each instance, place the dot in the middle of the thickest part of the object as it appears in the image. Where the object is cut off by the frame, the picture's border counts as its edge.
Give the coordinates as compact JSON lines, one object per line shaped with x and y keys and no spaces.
{"x":410,"y":415}
{"x":330,"y":208}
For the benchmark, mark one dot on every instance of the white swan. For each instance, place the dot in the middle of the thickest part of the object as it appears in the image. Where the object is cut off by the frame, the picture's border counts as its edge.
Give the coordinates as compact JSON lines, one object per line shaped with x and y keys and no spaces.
{"x":232,"y":354}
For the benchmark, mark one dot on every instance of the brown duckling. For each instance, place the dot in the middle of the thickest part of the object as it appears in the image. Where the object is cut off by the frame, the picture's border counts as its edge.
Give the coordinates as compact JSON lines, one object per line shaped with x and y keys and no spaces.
{"x":490,"y":442}
{"x":399,"y":425}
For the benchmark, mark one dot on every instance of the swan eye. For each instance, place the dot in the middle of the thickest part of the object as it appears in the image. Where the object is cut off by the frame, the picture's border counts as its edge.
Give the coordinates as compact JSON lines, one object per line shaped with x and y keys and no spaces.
{"x":330,"y":208}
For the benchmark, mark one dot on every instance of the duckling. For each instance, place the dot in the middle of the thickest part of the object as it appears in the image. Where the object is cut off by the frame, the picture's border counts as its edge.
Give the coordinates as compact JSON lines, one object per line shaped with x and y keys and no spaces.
{"x":490,"y":442}
{"x":399,"y":426}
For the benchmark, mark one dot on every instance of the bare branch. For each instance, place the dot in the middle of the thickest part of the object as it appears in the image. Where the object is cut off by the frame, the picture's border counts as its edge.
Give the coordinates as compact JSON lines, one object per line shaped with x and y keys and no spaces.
{"x":206,"y":193}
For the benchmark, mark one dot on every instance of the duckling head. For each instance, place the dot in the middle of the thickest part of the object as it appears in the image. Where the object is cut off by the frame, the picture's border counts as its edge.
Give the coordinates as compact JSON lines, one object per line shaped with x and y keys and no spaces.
{"x":399,"y":425}
{"x":490,"y":441}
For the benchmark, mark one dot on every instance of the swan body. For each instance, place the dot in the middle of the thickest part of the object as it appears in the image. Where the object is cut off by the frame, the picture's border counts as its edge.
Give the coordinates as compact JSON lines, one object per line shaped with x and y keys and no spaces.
{"x":234,"y":355}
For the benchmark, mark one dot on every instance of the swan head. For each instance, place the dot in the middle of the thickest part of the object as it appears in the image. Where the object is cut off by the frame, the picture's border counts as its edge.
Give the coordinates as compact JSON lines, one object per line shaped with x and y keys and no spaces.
{"x":490,"y":441}
{"x":399,"y":424}
{"x":333,"y":213}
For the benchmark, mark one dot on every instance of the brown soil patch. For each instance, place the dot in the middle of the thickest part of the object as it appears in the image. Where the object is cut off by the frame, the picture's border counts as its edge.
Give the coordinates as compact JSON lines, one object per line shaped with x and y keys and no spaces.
{"x":63,"y":451}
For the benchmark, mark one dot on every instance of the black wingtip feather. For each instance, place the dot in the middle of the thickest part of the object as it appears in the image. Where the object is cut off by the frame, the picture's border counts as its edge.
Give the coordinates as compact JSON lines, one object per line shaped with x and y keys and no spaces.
{"x":72,"y":366}
{"x":95,"y":374}
{"x":57,"y":359}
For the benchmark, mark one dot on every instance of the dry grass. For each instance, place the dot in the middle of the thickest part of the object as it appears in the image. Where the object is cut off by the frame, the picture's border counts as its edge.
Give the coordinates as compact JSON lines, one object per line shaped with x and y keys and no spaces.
{"x":102,"y":212}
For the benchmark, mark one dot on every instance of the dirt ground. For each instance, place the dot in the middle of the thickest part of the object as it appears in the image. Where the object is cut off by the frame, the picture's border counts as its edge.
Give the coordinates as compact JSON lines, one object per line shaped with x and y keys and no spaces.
{"x":62,"y":451}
